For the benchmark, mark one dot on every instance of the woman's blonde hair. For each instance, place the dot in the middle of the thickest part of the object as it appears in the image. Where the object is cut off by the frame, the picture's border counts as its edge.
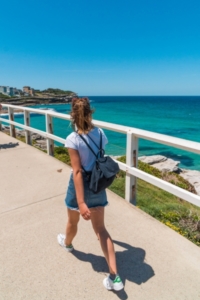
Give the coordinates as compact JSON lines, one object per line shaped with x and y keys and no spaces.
{"x":81,"y":115}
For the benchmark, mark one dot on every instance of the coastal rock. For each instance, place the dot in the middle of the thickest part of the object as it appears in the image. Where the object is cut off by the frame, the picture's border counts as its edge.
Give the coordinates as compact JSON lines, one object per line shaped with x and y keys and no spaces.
{"x":193,"y":177}
{"x":152,"y":159}
{"x":165,"y":164}
{"x":168,"y":165}
{"x":37,"y":137}
{"x":162,"y":163}
{"x":20,"y":133}
{"x":42,"y":142}
{"x":41,"y":146}
{"x":5,"y":127}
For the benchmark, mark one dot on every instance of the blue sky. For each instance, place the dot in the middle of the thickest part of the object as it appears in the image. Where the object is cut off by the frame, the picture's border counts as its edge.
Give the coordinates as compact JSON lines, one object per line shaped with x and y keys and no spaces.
{"x":146,"y":47}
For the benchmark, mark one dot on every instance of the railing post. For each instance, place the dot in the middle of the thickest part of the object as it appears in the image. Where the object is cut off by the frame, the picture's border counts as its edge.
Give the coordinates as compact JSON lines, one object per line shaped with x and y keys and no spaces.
{"x":27,"y":123}
{"x":11,"y":118}
{"x":131,"y":160}
{"x":49,"y":129}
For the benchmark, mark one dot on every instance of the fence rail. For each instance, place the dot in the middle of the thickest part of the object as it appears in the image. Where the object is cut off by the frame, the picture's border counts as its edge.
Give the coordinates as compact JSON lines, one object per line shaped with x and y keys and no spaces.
{"x":132,"y":134}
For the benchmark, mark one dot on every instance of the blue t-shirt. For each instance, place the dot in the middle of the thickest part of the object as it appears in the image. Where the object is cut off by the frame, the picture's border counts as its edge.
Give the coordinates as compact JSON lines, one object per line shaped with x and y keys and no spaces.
{"x":74,"y":141}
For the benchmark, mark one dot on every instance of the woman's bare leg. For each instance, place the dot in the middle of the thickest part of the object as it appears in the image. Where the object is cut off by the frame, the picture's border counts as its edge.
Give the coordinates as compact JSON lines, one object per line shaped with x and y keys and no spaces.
{"x":97,"y":219}
{"x":72,"y":226}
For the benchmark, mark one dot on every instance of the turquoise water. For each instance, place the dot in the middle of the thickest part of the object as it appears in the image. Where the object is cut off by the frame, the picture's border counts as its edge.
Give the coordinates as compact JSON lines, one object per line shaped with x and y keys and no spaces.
{"x":173,"y":116}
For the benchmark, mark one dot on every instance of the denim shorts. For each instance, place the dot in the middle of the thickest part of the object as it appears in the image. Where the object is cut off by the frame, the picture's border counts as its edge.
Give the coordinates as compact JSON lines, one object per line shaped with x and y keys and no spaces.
{"x":91,"y":199}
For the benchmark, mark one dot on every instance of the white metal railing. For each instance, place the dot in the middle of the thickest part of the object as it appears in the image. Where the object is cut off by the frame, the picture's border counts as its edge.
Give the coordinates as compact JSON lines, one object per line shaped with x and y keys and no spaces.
{"x":132,"y":173}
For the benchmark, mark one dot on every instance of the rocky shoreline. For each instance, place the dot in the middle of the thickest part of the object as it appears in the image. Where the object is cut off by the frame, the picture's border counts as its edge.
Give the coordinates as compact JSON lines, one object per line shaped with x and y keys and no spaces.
{"x":165,"y":164}
{"x":159,"y":162}
{"x":45,"y":98}
{"x":36,"y":101}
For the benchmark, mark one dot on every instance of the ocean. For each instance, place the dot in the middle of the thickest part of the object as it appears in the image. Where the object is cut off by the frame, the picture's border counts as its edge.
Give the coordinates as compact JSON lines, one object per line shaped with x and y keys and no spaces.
{"x":173,"y":116}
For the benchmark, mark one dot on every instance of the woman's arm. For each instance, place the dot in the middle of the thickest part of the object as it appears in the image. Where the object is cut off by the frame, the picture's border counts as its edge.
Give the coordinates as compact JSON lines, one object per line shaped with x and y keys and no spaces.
{"x":78,"y":182}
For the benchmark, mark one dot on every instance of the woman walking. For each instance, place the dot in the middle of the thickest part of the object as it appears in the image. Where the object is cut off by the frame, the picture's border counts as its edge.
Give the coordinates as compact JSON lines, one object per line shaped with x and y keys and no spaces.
{"x":79,"y":199}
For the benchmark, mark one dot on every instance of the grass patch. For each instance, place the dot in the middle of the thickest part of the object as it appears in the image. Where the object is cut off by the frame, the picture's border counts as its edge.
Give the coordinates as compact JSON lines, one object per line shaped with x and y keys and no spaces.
{"x":62,"y":154}
{"x":176,"y":213}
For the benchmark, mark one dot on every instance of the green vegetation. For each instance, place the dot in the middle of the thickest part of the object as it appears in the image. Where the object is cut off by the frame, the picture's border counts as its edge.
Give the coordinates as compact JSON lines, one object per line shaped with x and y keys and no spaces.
{"x":2,"y":96}
{"x":62,"y":154}
{"x":176,"y":213}
{"x":7,"y":98}
{"x":56,"y":92}
{"x":50,"y":94}
{"x":167,"y":176}
{"x":21,"y":138}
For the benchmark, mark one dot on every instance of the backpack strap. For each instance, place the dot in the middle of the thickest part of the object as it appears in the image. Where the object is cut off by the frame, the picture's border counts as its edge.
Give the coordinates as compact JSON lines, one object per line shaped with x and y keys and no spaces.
{"x":101,"y":151}
{"x":100,"y":146}
{"x":88,"y":145}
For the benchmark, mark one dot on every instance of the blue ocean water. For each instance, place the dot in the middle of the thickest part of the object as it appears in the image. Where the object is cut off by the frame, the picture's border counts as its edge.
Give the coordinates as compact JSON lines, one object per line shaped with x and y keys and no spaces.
{"x":173,"y":116}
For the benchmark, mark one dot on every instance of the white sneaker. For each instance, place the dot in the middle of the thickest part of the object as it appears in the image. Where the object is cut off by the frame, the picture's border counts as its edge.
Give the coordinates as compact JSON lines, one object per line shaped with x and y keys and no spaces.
{"x":115,"y":284}
{"x":61,"y":242}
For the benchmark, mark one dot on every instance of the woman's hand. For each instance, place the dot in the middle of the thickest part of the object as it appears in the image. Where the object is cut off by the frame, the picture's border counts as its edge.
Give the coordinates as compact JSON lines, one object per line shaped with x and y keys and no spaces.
{"x":84,"y":211}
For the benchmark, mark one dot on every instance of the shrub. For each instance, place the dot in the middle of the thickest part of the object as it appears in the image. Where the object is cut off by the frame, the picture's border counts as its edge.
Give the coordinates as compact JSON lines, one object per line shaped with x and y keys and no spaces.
{"x":62,"y":154}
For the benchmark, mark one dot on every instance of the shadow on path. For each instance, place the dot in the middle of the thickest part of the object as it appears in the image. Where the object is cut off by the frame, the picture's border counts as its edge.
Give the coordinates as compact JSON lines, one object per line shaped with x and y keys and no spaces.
{"x":130,"y":262}
{"x":9,"y":145}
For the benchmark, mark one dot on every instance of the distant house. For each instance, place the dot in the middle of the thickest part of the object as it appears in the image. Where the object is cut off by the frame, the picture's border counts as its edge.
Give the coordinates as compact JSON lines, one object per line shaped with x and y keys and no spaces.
{"x":7,"y":90}
{"x":3,"y":89}
{"x":17,"y":92}
{"x":28,"y":91}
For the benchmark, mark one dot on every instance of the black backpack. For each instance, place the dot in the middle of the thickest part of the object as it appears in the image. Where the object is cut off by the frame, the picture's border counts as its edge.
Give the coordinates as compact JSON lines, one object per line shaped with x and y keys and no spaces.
{"x":104,"y":170}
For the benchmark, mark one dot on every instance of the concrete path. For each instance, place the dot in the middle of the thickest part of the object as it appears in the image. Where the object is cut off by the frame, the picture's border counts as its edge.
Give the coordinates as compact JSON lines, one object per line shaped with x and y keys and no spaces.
{"x":154,"y":261}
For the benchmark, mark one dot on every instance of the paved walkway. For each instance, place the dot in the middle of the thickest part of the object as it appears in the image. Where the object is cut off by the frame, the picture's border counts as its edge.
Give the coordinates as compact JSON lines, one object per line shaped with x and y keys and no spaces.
{"x":154,"y":261}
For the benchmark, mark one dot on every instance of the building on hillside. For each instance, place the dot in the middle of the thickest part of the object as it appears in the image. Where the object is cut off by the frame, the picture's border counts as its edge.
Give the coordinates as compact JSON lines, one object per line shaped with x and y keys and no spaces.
{"x":17,"y":92}
{"x":7,"y":90}
{"x":28,"y":90}
{"x":11,"y":91}
{"x":3,"y":89}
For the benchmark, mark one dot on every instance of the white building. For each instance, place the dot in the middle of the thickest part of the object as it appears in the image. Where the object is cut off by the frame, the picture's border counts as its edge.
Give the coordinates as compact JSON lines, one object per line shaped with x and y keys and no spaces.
{"x":7,"y":90}
{"x":3,"y":89}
